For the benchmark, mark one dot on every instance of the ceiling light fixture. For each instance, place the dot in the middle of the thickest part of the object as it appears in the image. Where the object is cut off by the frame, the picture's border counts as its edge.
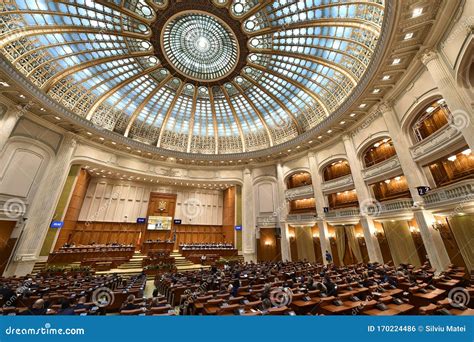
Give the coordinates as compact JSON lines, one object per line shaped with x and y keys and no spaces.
{"x":417,"y":12}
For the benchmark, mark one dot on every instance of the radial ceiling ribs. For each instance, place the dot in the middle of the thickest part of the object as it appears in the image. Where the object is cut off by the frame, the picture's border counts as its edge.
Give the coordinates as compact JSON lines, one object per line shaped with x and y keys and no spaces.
{"x":101,"y":99}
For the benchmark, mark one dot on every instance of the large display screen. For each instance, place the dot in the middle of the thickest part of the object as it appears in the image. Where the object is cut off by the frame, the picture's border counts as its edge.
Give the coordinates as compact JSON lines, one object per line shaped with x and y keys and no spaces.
{"x":159,"y":222}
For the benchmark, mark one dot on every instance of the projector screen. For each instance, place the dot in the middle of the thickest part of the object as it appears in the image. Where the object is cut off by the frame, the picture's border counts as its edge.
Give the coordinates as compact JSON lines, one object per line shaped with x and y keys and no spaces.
{"x":159,"y":222}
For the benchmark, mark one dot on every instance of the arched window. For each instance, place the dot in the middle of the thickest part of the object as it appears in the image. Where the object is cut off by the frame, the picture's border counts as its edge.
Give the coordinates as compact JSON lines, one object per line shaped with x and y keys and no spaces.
{"x":298,"y":179}
{"x":378,"y":152}
{"x":337,"y":169}
{"x":431,"y":119}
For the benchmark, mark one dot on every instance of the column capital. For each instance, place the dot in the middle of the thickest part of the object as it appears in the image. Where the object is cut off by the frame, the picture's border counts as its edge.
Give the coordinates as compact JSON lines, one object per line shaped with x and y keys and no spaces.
{"x":247,"y":171}
{"x":346,"y":137}
{"x":428,"y":55}
{"x":71,"y":139}
{"x":385,"y":107}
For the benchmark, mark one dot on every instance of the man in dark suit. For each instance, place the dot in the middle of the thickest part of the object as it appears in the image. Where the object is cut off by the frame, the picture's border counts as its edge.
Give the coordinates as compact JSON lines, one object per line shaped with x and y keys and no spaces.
{"x":38,"y":308}
{"x":130,"y":303}
{"x":328,"y":257}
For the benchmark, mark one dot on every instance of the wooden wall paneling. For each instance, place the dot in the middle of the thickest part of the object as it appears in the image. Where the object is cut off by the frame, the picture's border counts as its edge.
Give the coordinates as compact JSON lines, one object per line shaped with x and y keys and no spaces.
{"x":383,"y":243}
{"x":317,"y":244}
{"x":363,"y":246}
{"x":332,"y":241}
{"x":6,"y":243}
{"x":293,"y":246}
{"x":74,"y":208}
{"x":228,"y":214}
{"x":267,"y":245}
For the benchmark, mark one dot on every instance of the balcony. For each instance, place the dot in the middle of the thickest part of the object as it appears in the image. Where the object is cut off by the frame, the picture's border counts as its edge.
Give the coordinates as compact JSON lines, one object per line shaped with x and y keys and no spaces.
{"x":397,"y":208}
{"x":459,"y":195}
{"x":383,"y":170}
{"x":431,"y":147}
{"x":338,"y":184}
{"x":267,"y":221}
{"x":400,"y":208}
{"x":343,"y":216}
{"x":307,"y":218}
{"x":299,"y":193}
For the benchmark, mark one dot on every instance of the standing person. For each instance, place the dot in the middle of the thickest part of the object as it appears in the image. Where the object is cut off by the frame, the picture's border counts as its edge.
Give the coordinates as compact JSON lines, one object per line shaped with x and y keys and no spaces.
{"x":328,"y":257}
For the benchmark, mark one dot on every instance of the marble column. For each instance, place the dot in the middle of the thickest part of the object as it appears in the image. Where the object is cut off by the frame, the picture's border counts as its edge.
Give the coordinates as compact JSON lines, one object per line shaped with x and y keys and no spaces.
{"x":282,"y":214}
{"x":248,"y":218}
{"x":41,"y":210}
{"x":411,"y":171}
{"x":8,"y":122}
{"x":320,"y":204}
{"x":432,"y":240}
{"x":365,"y":201}
{"x":461,"y":111}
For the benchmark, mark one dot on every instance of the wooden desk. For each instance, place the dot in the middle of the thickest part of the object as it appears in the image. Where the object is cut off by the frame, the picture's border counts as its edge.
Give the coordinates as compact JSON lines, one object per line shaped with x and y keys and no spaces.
{"x":156,"y":246}
{"x":402,"y":308}
{"x":83,"y":254}
{"x":421,"y":299}
{"x":377,"y":312}
{"x":458,"y":312}
{"x":277,"y":311}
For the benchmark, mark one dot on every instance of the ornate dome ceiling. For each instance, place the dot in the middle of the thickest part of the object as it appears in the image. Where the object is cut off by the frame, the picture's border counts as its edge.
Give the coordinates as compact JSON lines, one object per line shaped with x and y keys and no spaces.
{"x":198,"y":76}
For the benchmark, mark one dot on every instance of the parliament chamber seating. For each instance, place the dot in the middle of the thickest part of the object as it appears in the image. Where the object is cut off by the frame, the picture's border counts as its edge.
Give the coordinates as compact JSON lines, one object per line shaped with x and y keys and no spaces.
{"x":254,"y":289}
{"x":99,"y":257}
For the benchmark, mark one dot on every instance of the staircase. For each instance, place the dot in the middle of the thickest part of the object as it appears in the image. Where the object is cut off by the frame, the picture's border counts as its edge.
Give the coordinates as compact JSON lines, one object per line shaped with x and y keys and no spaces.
{"x":131,"y":267}
{"x":183,"y":264}
{"x":38,"y":267}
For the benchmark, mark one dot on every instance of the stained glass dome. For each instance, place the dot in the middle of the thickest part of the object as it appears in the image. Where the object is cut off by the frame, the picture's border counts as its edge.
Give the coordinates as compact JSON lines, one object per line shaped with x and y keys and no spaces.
{"x":198,"y":76}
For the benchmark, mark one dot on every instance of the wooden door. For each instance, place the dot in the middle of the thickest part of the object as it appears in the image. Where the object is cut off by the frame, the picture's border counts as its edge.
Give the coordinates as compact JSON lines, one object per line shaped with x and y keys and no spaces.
{"x":6,"y":243}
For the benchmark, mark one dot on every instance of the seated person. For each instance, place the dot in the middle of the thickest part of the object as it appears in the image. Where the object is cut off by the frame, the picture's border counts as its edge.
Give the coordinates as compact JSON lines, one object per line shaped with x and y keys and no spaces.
{"x":66,"y":308}
{"x":38,"y":308}
{"x":155,"y":303}
{"x":331,"y":286}
{"x":81,"y":304}
{"x":129,"y":304}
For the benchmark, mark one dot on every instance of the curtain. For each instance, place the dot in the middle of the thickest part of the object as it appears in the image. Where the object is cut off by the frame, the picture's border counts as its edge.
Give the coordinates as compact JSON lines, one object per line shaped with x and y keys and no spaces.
{"x":353,"y":243}
{"x":341,"y":243}
{"x":400,"y":241}
{"x":463,"y":231}
{"x":304,"y":244}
